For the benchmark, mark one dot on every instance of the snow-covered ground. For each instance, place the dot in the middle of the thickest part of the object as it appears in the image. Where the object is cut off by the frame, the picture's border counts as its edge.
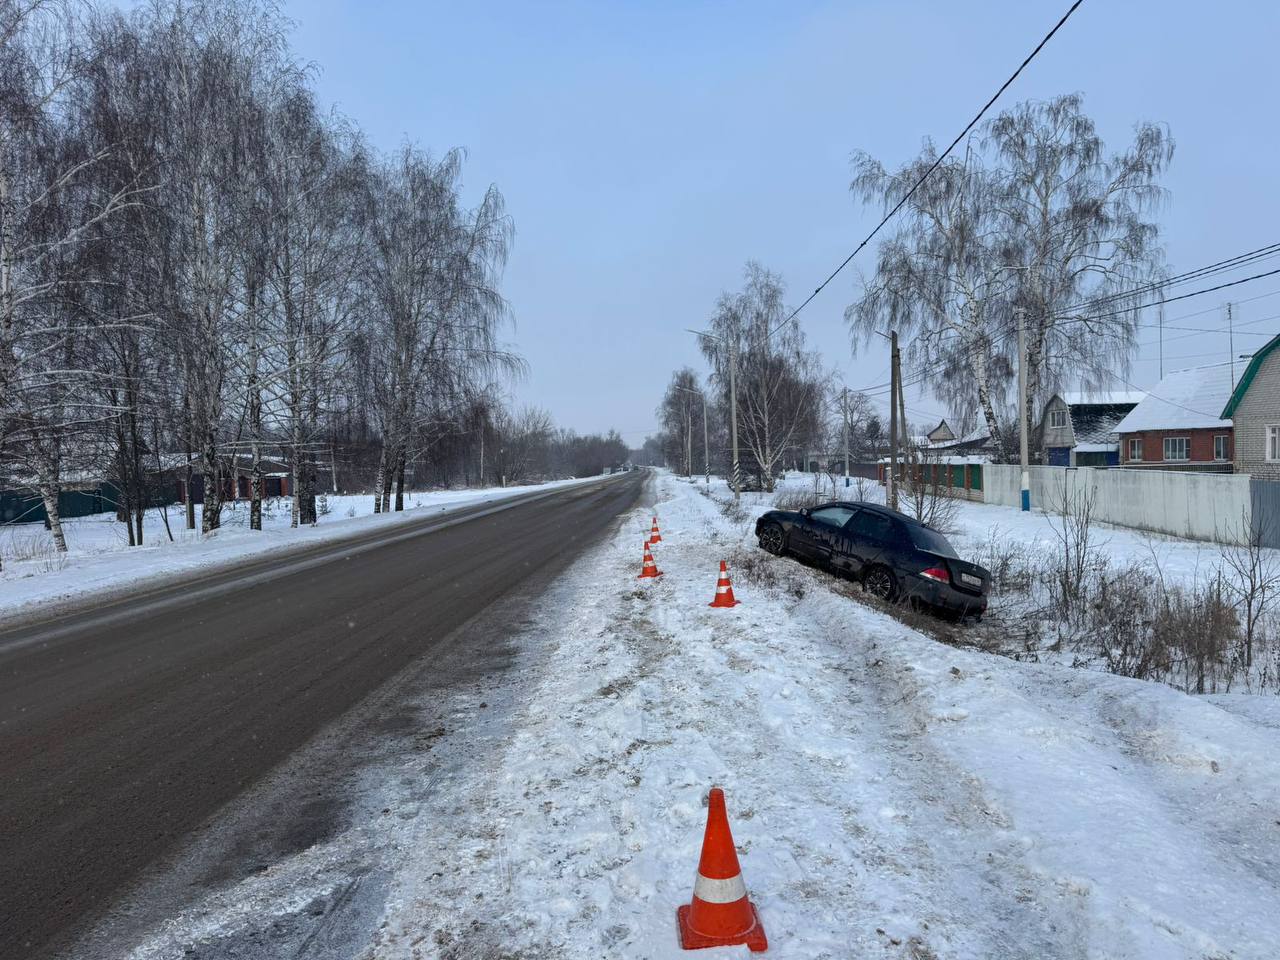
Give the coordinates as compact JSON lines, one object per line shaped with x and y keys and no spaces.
{"x":891,"y":796}
{"x":100,"y":561}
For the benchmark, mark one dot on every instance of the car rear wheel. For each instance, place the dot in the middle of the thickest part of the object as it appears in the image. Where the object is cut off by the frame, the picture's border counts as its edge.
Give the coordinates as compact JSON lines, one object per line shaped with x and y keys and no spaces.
{"x":772,"y":539}
{"x":881,"y":584}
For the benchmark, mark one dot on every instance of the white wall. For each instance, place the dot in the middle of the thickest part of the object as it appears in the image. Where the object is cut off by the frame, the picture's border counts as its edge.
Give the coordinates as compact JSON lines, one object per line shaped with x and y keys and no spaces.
{"x":1199,"y":506}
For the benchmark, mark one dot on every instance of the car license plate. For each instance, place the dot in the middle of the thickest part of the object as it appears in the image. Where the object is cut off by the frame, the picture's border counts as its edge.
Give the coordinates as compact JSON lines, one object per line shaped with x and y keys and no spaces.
{"x":971,"y":580}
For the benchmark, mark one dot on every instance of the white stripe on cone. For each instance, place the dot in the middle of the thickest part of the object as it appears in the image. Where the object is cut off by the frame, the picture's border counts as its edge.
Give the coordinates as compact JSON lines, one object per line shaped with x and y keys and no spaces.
{"x":709,"y":890}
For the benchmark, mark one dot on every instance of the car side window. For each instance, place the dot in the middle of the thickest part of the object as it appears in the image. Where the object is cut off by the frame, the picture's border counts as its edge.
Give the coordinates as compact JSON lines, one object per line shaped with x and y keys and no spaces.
{"x":872,"y":526}
{"x":833,"y":516}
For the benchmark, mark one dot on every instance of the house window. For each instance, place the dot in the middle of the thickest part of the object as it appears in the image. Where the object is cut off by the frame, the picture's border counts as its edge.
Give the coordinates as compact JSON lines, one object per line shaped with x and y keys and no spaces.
{"x":1273,"y":442}
{"x":1057,"y":418}
{"x":1175,"y":448}
{"x":1135,"y":448}
{"x":1220,"y":447}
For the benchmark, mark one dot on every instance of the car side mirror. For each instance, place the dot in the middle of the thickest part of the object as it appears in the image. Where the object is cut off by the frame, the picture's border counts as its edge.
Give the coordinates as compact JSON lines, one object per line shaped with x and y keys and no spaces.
{"x":805,"y":511}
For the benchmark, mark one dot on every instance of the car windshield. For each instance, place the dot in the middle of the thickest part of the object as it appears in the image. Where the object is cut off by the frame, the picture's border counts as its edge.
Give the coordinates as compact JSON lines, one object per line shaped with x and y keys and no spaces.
{"x":931,"y":540}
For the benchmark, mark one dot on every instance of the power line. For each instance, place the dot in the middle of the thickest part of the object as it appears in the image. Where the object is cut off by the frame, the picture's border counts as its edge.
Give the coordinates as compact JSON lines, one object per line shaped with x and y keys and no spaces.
{"x":1199,"y":273}
{"x":1202,"y":330}
{"x":1181,"y":296}
{"x":936,"y":163}
{"x":1195,"y":331}
{"x":1220,"y":266}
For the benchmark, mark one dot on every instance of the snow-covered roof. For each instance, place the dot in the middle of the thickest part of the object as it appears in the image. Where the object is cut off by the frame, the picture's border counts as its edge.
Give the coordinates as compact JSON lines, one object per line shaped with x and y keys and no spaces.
{"x":1095,"y":423}
{"x":1102,"y":397}
{"x":1189,"y":399}
{"x":1101,"y":447}
{"x":975,"y":437}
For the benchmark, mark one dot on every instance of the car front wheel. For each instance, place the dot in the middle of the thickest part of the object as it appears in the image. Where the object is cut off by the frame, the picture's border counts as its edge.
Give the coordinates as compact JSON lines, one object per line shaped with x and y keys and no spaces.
{"x":771,"y":539}
{"x":881,"y":584}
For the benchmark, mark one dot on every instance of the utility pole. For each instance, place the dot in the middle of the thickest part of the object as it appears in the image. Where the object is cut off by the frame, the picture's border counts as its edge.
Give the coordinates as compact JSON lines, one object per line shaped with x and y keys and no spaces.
{"x":1231,"y":346}
{"x":1022,"y":407}
{"x":908,"y":442}
{"x":736,"y":478}
{"x":1161,"y":317}
{"x":706,"y":446}
{"x":706,"y":443}
{"x":733,"y":419}
{"x":688,"y":441}
{"x":895,"y":384}
{"x":844,"y":403}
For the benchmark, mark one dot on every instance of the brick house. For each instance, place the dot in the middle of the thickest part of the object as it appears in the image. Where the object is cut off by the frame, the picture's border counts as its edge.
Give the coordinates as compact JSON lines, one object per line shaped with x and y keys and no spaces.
{"x":1079,"y":429}
{"x":1254,"y":409}
{"x":1178,"y":426}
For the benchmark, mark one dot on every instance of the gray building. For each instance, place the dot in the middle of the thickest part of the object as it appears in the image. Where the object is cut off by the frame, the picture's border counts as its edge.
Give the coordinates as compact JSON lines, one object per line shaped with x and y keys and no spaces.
{"x":1079,"y":429}
{"x":1254,"y":409}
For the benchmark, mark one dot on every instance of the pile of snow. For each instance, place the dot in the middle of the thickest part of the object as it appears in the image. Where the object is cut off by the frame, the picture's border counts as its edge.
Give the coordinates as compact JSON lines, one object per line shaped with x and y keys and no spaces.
{"x":890,"y":796}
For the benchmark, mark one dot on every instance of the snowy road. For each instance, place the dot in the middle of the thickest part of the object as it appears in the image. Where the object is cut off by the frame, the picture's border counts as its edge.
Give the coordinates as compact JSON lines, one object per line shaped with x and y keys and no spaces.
{"x":125,"y":728}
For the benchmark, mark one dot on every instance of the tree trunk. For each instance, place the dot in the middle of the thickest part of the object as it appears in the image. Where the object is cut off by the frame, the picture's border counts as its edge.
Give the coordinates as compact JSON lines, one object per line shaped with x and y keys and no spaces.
{"x":191,"y":498}
{"x":123,"y":482}
{"x":295,"y":476}
{"x":377,"y":480}
{"x":49,"y":495}
{"x":978,"y":364}
{"x":388,"y":479}
{"x":400,"y":482}
{"x":305,"y":494}
{"x":255,"y":489}
{"x":211,"y":514}
{"x":993,"y":425}
{"x":137,"y":470}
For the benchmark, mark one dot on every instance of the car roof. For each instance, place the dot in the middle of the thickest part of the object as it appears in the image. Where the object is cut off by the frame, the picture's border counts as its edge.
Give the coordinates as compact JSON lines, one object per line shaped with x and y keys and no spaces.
{"x":873,"y":508}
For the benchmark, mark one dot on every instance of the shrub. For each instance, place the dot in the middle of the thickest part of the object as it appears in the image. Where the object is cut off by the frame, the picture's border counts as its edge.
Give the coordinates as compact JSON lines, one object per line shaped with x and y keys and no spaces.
{"x":793,"y":499}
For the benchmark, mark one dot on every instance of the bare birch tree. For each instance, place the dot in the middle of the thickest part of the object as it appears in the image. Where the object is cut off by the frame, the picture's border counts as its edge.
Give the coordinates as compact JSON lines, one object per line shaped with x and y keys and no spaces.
{"x":940,"y":279}
{"x":778,"y":384}
{"x":1080,"y":236}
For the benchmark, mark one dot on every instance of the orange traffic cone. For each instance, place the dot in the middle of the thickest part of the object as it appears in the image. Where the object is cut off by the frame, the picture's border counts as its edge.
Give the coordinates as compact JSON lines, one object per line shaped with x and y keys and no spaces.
{"x":650,"y":569}
{"x":720,"y":914}
{"x":724,"y":589}
{"x":654,"y":535}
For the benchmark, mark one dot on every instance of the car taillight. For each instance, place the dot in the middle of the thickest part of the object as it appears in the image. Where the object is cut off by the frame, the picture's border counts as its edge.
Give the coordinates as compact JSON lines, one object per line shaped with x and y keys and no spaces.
{"x":936,"y":573}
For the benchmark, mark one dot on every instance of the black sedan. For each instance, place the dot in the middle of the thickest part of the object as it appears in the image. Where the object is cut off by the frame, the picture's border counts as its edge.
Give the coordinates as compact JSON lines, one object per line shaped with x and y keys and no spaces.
{"x":894,"y":556}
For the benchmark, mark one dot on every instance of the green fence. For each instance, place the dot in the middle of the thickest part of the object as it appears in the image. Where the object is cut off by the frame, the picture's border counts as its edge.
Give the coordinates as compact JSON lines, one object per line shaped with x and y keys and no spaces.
{"x":20,"y":506}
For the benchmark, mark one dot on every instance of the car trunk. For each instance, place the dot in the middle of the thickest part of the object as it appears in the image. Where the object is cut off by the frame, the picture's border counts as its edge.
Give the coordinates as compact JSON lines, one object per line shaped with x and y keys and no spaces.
{"x":965,"y":576}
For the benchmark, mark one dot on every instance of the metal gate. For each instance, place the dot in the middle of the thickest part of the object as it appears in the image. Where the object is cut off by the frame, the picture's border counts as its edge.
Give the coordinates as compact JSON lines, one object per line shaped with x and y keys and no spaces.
{"x":1264,"y":511}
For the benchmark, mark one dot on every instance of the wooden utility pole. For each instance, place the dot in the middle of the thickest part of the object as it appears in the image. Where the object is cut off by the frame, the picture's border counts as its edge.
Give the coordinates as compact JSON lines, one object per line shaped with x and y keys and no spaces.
{"x":1231,"y":344}
{"x":844,"y":403}
{"x":908,"y":442}
{"x":1161,"y":320}
{"x":895,"y":384}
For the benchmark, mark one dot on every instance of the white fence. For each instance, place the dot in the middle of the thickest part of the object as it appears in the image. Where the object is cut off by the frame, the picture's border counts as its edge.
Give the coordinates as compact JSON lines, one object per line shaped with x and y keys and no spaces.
{"x":1200,"y":506}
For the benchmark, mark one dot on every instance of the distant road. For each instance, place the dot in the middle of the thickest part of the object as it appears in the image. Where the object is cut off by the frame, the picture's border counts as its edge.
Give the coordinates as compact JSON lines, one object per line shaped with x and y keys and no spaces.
{"x":123,"y":729}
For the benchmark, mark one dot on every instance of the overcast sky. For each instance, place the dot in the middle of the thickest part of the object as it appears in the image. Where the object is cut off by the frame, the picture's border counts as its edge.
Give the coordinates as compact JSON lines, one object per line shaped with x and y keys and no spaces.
{"x":648,"y":149}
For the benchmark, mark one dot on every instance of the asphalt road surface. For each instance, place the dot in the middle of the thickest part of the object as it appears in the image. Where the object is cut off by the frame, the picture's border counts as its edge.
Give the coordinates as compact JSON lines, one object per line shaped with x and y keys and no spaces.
{"x":124,"y":728}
